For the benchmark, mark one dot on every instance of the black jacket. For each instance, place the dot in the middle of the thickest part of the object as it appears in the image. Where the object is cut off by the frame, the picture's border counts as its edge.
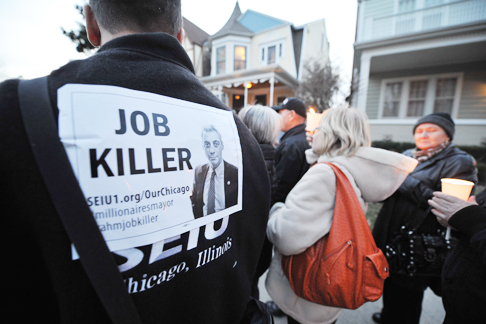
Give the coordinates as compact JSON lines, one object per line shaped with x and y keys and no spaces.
{"x":230,"y":187}
{"x":290,"y":161}
{"x":409,"y":202}
{"x":45,"y":285}
{"x":464,"y":273}
{"x":269,"y":155}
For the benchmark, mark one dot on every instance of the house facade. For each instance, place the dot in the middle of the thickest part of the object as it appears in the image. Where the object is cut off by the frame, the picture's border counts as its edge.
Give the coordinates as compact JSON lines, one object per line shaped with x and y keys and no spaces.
{"x":258,"y":59}
{"x":193,"y":43}
{"x":416,"y":57}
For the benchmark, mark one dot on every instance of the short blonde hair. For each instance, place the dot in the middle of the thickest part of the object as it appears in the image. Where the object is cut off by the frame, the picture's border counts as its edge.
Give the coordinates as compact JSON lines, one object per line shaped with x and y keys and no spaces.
{"x":264,"y":123}
{"x":342,"y":131}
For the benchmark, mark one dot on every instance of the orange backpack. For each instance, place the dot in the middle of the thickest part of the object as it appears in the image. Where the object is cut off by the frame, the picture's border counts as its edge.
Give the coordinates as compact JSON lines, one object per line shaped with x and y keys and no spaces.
{"x":344,"y":268}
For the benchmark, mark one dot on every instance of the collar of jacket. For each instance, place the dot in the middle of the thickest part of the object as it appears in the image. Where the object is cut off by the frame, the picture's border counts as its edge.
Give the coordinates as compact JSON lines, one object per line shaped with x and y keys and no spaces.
{"x":160,"y":45}
{"x":444,"y":154}
{"x":293,"y":131}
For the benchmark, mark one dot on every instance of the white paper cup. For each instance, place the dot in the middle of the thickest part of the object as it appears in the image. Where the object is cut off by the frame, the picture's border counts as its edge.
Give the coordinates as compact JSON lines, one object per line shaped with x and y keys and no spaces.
{"x":457,"y":188}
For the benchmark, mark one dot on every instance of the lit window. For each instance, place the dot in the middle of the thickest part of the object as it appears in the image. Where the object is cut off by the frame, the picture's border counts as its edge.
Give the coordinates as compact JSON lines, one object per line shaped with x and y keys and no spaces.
{"x":221,"y":60}
{"x":240,"y":58}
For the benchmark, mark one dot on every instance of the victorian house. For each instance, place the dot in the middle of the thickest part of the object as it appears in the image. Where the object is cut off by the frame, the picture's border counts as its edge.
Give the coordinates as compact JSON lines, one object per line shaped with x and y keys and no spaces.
{"x":259,"y":59}
{"x":416,"y":57}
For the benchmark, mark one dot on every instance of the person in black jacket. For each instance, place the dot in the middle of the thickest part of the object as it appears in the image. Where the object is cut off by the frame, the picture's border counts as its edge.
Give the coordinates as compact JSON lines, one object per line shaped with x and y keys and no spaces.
{"x":407,"y":209}
{"x":464,"y":272}
{"x":182,"y":279}
{"x":290,"y":161}
{"x":265,"y":124}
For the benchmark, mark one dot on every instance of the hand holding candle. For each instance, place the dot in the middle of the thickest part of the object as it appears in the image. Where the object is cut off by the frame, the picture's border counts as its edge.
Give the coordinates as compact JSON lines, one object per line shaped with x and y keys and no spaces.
{"x":456,"y":188}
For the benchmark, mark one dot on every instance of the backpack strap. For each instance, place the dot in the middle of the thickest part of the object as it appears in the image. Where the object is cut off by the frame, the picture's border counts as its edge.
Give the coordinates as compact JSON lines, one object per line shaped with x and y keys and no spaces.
{"x":69,"y":201}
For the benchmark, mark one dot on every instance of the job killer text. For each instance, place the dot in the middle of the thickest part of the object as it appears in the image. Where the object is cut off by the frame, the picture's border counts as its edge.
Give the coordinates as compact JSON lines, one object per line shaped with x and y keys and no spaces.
{"x":173,"y":159}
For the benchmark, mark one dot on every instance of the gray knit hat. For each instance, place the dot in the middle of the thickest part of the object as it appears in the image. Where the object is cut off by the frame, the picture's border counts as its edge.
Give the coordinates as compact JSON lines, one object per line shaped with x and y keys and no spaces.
{"x":443,"y":120}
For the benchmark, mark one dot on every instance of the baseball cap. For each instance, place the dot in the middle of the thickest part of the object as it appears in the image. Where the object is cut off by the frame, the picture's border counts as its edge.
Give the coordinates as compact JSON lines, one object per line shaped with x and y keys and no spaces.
{"x":293,"y":104}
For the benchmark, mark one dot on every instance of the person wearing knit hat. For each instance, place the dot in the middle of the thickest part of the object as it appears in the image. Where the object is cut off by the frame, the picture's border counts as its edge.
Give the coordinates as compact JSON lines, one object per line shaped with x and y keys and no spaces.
{"x":443,"y":120}
{"x":432,"y":134}
{"x":438,"y":158}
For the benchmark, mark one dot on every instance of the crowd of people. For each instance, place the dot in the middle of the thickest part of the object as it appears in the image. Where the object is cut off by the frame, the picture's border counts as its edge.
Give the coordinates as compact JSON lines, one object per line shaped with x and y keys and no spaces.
{"x":280,"y":196}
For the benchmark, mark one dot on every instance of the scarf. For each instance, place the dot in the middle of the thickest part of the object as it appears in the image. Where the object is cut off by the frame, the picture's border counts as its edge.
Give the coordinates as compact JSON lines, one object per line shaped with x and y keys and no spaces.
{"x":422,"y":156}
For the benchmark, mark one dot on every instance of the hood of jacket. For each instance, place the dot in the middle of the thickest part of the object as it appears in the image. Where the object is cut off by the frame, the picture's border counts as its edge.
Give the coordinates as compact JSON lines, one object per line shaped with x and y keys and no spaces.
{"x":373,"y":169}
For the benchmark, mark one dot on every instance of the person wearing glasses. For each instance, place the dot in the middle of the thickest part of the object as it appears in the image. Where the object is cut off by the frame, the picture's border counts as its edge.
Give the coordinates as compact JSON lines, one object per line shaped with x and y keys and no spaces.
{"x":216,"y":182}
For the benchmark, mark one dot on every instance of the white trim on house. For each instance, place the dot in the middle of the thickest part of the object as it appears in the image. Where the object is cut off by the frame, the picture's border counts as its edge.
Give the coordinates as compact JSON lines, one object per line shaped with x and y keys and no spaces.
{"x":430,"y":94}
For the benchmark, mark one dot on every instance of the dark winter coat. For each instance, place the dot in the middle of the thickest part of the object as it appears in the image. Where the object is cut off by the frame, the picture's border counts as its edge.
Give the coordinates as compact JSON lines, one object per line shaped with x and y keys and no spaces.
{"x":410,"y":200}
{"x":290,"y":161}
{"x":464,"y":272}
{"x":269,"y":156}
{"x":45,"y":285}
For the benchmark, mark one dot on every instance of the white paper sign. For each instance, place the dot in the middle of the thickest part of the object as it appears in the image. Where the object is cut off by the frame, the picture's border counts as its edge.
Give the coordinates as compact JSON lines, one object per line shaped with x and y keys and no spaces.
{"x":135,"y":155}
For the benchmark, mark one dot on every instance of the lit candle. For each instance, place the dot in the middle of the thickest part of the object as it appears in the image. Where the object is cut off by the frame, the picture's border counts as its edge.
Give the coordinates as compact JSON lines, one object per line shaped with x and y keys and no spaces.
{"x":457,"y":188}
{"x":313,"y":120}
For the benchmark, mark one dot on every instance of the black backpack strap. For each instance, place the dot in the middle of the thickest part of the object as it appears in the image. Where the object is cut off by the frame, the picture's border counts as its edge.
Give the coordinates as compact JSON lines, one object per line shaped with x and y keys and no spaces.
{"x":66,"y":194}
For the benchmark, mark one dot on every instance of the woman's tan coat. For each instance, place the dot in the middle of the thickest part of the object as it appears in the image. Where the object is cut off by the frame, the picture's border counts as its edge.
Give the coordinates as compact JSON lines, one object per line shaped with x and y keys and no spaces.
{"x":306,"y":216}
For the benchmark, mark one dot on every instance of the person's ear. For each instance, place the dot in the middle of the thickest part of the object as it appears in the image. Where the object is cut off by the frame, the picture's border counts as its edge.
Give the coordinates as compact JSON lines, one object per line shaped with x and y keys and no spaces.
{"x":180,"y":35}
{"x":92,"y":28}
{"x":292,"y":114}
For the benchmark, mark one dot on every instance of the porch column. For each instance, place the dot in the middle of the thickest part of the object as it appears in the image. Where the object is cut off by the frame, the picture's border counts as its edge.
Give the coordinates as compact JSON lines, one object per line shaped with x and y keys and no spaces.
{"x":272,"y":81}
{"x":364,"y":75}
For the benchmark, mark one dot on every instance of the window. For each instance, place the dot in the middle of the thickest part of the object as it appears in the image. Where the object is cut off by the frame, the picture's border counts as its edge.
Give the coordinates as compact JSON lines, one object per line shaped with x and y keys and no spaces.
{"x":221,"y":60}
{"x":432,"y":3}
{"x":444,"y":95}
{"x":406,"y":5}
{"x":261,"y":100}
{"x":272,"y":53}
{"x":414,"y":97}
{"x":238,"y":102}
{"x":393,"y":94}
{"x":240,"y":58}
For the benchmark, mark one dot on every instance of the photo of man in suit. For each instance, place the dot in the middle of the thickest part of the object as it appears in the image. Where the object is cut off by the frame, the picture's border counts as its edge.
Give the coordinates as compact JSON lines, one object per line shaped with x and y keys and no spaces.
{"x":215,"y":183}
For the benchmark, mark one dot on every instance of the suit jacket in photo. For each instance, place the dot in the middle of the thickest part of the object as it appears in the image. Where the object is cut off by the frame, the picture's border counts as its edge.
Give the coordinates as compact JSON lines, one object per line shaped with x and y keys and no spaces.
{"x":230,"y":187}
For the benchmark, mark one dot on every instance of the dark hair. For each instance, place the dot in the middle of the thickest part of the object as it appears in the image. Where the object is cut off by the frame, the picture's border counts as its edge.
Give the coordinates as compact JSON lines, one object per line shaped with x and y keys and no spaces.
{"x":140,"y":16}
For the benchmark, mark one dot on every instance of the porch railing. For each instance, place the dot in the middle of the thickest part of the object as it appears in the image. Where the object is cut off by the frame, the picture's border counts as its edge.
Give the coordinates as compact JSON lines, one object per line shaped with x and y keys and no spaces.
{"x":455,"y":12}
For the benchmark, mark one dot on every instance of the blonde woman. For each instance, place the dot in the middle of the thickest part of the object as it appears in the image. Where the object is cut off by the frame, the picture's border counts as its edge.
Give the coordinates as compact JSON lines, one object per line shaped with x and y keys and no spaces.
{"x":343,"y":139}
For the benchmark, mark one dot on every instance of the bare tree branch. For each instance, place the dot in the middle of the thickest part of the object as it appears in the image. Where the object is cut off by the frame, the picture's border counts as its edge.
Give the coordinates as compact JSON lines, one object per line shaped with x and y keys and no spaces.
{"x":319,"y":84}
